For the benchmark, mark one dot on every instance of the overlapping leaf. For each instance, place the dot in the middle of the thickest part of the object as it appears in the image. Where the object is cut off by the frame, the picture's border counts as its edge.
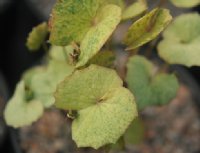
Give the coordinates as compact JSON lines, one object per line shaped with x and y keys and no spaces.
{"x":185,"y":3}
{"x":21,"y":111}
{"x":44,"y":83}
{"x":105,"y":108}
{"x":134,"y":10}
{"x":37,"y":37}
{"x":147,"y":28}
{"x":85,"y":87}
{"x":181,"y":41}
{"x":109,"y":18}
{"x":72,"y":19}
{"x":149,"y":88}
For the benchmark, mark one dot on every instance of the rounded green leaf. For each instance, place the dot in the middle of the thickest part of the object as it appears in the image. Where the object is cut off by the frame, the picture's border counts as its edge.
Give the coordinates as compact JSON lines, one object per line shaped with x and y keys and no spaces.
{"x":185,"y":3}
{"x":20,"y":111}
{"x":37,"y":36}
{"x":107,"y":20}
{"x":85,"y":87}
{"x":72,"y":19}
{"x":134,"y":10}
{"x":181,"y":41}
{"x":106,"y":121}
{"x":149,"y":88}
{"x":147,"y":28}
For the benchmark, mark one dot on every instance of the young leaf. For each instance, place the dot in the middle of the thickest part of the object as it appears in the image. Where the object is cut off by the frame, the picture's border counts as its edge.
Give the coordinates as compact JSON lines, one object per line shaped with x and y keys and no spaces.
{"x":21,"y":111}
{"x":85,"y":87}
{"x":149,"y":88}
{"x":147,"y":28}
{"x":37,"y":36}
{"x":134,"y":10}
{"x":185,"y":3}
{"x":106,"y":121}
{"x":181,"y":41}
{"x":72,"y":19}
{"x":108,"y":18}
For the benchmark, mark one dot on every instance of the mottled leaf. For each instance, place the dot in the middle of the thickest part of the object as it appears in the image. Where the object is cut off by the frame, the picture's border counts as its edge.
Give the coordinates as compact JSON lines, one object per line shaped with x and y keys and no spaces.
{"x":147,"y":28}
{"x":37,"y":36}
{"x":20,"y":111}
{"x":134,"y":10}
{"x":85,"y":87}
{"x":108,"y":18}
{"x":149,"y":88}
{"x":104,"y":122}
{"x":181,"y":41}
{"x":72,"y":19}
{"x":185,"y":3}
{"x":105,"y":108}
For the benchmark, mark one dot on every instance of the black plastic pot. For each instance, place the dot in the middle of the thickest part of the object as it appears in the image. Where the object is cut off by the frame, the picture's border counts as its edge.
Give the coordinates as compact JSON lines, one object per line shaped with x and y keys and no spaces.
{"x":3,"y":98}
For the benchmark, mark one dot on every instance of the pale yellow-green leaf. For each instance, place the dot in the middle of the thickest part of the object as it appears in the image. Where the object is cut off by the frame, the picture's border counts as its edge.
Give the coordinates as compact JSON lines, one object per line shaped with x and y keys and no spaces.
{"x":185,"y":3}
{"x":106,"y":121}
{"x":28,"y":74}
{"x":107,"y":20}
{"x":44,"y":84}
{"x":181,"y":41}
{"x":37,"y":36}
{"x":20,"y":112}
{"x":148,"y":87}
{"x":85,"y":87}
{"x":105,"y":108}
{"x":134,"y":10}
{"x":72,"y":19}
{"x":147,"y":28}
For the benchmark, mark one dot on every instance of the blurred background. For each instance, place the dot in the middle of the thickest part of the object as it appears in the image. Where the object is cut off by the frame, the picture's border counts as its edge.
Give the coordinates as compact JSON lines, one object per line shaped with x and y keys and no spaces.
{"x":17,"y":17}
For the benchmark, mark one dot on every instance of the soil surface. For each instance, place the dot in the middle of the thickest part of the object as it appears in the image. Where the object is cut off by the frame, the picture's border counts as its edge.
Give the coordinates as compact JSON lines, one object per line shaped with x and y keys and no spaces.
{"x":174,"y":128}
